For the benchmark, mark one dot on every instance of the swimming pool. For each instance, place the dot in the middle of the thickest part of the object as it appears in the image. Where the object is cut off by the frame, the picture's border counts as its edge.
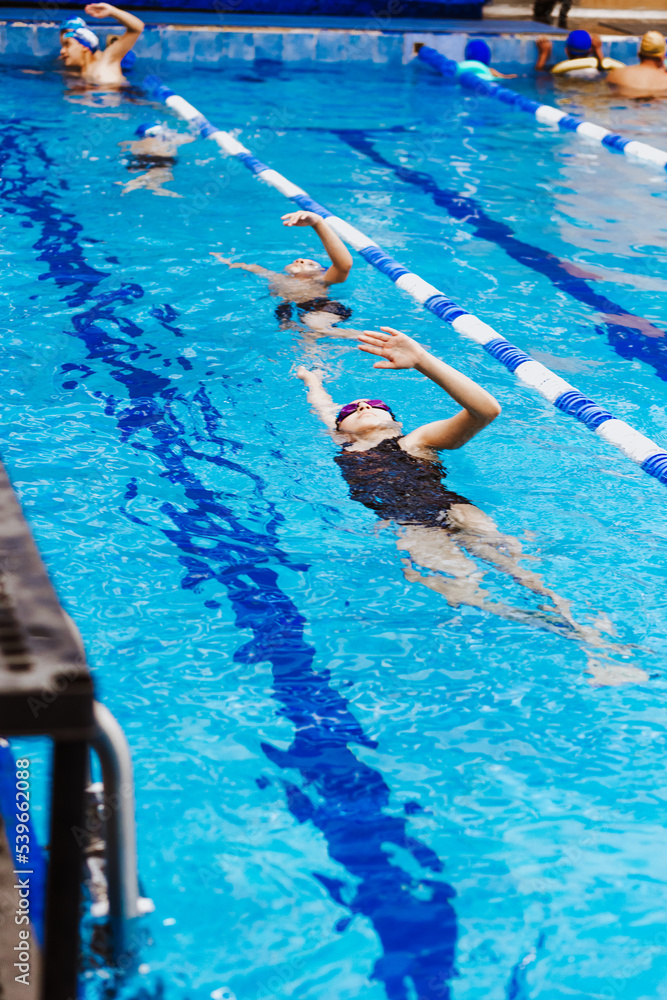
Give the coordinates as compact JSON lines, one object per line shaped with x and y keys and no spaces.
{"x":347,"y":788}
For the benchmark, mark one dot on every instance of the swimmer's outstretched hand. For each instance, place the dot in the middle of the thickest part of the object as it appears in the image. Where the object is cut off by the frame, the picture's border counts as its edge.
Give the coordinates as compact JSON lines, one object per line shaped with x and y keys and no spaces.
{"x":310,"y":378}
{"x":396,"y":348}
{"x":301,"y":219}
{"x":225,"y":260}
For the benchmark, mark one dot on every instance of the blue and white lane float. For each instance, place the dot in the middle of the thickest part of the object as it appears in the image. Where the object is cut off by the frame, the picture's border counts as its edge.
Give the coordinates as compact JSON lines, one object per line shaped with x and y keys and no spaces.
{"x":643,"y":451}
{"x":545,"y":113}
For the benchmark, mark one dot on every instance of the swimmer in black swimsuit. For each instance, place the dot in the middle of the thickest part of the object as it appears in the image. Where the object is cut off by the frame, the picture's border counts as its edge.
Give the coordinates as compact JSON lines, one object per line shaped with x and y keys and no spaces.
{"x":304,"y":287}
{"x":307,"y":311}
{"x":399,"y":477}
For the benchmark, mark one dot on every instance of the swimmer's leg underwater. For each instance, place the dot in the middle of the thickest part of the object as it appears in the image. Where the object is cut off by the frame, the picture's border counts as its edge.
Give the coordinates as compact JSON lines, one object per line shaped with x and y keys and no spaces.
{"x":153,"y":180}
{"x":457,"y":578}
{"x":441,"y":551}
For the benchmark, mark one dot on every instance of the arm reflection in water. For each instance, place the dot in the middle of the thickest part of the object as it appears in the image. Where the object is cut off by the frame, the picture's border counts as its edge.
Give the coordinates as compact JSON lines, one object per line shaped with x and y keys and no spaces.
{"x":399,"y":477}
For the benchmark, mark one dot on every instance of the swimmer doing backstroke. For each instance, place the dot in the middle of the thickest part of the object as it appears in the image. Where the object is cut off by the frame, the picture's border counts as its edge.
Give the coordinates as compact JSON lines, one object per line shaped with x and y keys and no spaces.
{"x":399,"y":477}
{"x":304,"y":285}
{"x":154,"y":153}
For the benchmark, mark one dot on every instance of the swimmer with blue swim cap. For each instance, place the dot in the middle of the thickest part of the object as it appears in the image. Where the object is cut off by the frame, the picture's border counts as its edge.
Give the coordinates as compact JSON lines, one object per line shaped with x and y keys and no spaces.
{"x":150,"y":130}
{"x":579,"y":43}
{"x":304,"y":284}
{"x":585,"y":58}
{"x":157,"y":141}
{"x":154,"y":152}
{"x":478,"y":61}
{"x":80,"y":46}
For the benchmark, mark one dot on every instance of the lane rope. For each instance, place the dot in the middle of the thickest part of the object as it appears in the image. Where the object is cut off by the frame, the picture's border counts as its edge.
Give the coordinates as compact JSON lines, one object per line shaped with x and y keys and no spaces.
{"x":545,"y":113}
{"x":565,"y":397}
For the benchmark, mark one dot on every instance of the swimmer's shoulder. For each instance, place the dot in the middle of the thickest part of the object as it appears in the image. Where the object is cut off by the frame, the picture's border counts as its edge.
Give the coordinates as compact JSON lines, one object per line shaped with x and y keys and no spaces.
{"x":406,"y":444}
{"x":298,"y":289}
{"x":106,"y":69}
{"x":156,"y":146}
{"x":423,"y":452}
{"x":638,"y":82}
{"x":473,"y":66}
{"x":106,"y":77}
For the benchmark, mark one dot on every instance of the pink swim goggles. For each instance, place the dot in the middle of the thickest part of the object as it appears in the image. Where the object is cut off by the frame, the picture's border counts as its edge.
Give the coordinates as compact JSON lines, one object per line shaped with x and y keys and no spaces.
{"x":353,"y":407}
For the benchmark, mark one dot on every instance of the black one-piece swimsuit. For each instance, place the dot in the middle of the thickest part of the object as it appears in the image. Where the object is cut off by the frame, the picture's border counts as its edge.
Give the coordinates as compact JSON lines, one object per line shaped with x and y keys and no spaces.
{"x":398,"y":486}
{"x":284,"y":311}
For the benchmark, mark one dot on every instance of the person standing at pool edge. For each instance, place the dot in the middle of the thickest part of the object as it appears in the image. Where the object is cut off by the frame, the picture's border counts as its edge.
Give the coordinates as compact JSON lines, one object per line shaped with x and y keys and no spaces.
{"x":543,"y":9}
{"x":80,"y":47}
{"x":305,"y":283}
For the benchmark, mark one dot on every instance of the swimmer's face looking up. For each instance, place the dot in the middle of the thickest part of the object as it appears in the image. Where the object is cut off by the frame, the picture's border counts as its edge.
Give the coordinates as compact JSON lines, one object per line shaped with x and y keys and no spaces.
{"x":366,"y":418}
{"x":303,"y":267}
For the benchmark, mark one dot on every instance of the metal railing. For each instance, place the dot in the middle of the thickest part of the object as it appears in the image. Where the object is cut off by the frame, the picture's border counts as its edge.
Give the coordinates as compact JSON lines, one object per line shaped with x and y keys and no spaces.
{"x":46,"y":690}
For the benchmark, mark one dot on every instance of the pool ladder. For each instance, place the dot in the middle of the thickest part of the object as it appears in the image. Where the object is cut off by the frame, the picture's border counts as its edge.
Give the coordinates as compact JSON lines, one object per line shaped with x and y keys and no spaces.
{"x":124,"y":901}
{"x":46,"y":690}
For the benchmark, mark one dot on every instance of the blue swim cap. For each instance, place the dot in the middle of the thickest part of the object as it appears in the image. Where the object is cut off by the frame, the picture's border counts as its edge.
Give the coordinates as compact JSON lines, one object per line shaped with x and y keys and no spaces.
{"x":84,"y":36}
{"x":579,"y":42}
{"x":128,"y":61}
{"x":72,"y":23}
{"x":479,"y":51}
{"x":149,"y":129}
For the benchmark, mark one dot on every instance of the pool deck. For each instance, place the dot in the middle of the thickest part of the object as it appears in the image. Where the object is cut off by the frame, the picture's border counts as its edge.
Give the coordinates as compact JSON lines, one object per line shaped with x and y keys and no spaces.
{"x":29,"y":38}
{"x":293,"y":22}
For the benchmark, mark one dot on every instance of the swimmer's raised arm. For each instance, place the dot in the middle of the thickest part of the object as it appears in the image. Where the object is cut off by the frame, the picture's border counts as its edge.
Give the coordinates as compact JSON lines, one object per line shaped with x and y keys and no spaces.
{"x":254,"y":268}
{"x":339,"y":255}
{"x":544,"y":49}
{"x":597,"y":50}
{"x":318,"y":397}
{"x":399,"y":351}
{"x":133,"y":25}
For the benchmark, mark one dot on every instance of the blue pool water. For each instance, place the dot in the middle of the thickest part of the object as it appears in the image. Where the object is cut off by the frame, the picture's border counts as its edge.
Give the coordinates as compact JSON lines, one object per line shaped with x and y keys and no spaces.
{"x":347,"y":788}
